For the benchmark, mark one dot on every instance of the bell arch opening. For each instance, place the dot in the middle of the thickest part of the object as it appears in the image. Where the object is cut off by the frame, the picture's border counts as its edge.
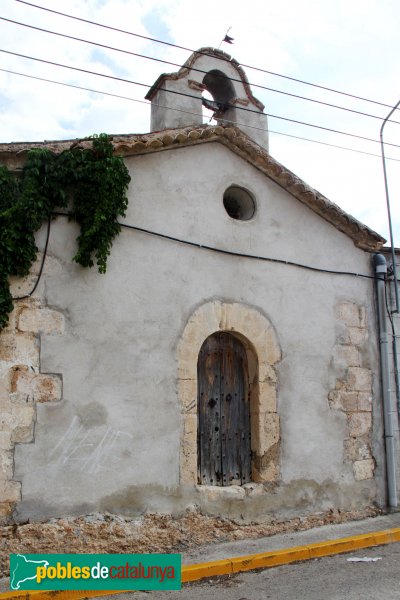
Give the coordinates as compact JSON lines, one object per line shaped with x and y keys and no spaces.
{"x":217,"y":95}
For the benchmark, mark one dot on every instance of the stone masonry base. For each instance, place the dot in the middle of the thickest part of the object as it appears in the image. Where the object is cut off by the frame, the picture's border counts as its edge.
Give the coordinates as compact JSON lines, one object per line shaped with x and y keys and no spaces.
{"x":99,"y":533}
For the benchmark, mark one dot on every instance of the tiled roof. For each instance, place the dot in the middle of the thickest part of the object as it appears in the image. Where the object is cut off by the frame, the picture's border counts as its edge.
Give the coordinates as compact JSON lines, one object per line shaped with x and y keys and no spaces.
{"x":240,"y":144}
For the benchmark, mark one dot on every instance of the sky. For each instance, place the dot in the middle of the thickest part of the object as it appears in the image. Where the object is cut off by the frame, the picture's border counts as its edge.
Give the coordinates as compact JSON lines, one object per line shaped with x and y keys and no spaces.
{"x":352,"y":46}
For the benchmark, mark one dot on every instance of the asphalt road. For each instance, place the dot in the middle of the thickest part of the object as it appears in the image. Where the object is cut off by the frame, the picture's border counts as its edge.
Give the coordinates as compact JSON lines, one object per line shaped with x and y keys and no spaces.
{"x":330,"y":578}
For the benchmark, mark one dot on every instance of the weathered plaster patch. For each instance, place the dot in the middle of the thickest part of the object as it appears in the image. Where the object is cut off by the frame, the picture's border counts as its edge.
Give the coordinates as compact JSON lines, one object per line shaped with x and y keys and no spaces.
{"x":93,"y":414}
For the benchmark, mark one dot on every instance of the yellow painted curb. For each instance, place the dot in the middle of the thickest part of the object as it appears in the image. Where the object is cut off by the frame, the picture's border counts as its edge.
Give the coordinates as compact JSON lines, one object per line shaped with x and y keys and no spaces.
{"x":57,"y":595}
{"x":275,"y":558}
{"x":239,"y":564}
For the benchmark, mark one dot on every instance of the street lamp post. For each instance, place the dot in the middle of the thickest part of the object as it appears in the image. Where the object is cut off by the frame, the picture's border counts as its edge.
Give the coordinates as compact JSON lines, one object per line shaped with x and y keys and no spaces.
{"x":396,"y":287}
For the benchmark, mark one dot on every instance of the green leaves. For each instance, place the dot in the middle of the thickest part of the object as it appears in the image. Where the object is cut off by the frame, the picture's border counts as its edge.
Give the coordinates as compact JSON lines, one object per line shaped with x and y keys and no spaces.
{"x":99,"y":199}
{"x":92,"y":183}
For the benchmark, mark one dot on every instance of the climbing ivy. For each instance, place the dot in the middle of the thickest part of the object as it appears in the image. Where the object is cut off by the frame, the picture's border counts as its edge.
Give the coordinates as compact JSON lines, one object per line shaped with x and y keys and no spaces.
{"x":90,"y":183}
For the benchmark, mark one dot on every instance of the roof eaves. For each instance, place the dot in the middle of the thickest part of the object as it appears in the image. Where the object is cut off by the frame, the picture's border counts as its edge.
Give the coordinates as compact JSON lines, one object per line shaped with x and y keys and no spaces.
{"x":232,"y":137}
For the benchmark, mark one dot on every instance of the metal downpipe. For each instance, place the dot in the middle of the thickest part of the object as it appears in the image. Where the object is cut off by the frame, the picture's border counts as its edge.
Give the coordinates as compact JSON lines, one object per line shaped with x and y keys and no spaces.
{"x":381,"y":271}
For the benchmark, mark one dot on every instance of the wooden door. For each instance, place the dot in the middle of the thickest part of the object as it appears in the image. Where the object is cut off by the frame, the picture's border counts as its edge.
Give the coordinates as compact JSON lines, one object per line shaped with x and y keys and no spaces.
{"x":224,"y":445}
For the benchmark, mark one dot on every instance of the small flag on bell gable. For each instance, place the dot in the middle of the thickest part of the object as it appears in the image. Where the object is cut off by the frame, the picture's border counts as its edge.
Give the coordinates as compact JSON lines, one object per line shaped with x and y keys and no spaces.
{"x":228,"y":39}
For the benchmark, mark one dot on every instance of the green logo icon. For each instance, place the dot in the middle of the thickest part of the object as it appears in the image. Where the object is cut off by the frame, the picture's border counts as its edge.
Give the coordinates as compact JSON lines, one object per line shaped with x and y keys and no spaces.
{"x":95,"y":572}
{"x":24,"y":570}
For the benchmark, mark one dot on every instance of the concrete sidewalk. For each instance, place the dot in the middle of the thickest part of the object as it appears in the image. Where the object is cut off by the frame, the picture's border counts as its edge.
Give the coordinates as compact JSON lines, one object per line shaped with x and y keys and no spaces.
{"x":287,"y":540}
{"x":240,"y":551}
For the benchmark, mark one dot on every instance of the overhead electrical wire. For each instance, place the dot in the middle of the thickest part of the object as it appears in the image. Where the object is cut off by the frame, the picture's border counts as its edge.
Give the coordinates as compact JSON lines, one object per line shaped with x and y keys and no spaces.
{"x":158,"y":41}
{"x":195,"y":245}
{"x":279,"y":261}
{"x":138,"y":55}
{"x":29,"y":294}
{"x":297,"y":137}
{"x":114,"y":77}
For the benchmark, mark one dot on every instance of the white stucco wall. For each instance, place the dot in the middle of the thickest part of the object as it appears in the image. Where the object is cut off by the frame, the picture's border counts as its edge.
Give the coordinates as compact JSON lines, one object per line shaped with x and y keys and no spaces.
{"x":112,"y":443}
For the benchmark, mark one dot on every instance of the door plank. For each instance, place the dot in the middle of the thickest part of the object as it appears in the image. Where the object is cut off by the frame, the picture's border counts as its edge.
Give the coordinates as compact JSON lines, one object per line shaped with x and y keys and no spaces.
{"x":224,"y":445}
{"x":209,"y":374}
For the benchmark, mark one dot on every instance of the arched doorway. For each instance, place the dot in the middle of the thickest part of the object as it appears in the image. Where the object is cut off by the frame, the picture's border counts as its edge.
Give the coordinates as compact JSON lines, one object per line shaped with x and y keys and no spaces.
{"x":263,"y":352}
{"x":224,"y":438}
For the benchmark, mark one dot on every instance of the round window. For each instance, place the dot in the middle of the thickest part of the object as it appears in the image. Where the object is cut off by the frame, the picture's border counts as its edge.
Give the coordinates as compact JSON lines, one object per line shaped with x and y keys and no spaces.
{"x":239,"y":203}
